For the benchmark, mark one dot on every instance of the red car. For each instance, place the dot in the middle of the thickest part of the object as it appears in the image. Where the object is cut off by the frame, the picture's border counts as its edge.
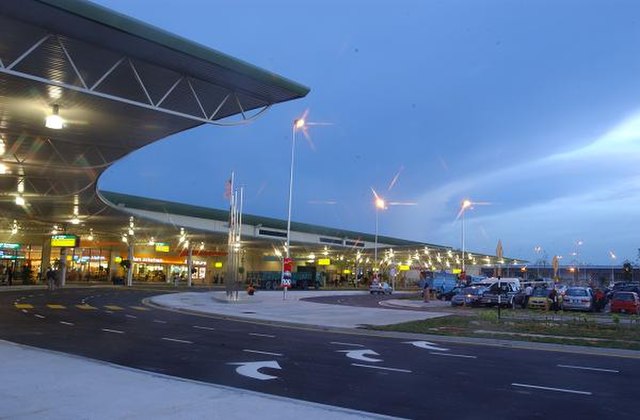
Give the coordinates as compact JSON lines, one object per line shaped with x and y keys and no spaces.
{"x":625,"y":302}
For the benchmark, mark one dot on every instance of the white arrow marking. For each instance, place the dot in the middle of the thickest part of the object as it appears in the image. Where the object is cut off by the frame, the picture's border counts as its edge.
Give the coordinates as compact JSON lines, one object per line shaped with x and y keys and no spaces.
{"x":360,"y":355}
{"x":426,"y":345}
{"x":251,"y":369}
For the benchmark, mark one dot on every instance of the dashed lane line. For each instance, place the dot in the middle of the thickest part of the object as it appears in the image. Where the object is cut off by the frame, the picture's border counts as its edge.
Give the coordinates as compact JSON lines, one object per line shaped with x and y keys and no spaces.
{"x":39,"y":316}
{"x":114,"y":307}
{"x":262,"y":352}
{"x":464,"y":356}
{"x":262,"y":335}
{"x":338,"y":343}
{"x":381,"y":368}
{"x":71,"y":324}
{"x":55,"y":306}
{"x":589,"y":368}
{"x":109,"y":330}
{"x":25,"y":311}
{"x":546,"y":388}
{"x":159,"y":321}
{"x":86,"y":307}
{"x":131,"y":316}
{"x":23,"y":306}
{"x":175,"y":340}
{"x":139,"y":308}
{"x":200,"y":327}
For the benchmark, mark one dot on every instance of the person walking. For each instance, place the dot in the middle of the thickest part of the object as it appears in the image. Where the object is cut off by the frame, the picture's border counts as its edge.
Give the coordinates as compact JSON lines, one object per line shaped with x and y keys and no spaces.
{"x":528,"y":291}
{"x":51,"y":279}
{"x":553,"y":296}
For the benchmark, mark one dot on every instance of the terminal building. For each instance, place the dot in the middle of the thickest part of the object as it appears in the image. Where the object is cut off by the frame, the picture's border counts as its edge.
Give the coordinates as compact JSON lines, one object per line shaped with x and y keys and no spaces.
{"x":81,"y":87}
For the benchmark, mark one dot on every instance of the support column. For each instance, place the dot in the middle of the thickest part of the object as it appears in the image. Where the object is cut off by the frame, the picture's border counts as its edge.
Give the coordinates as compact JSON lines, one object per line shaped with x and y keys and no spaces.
{"x":130,"y":269}
{"x":111,"y":265}
{"x":189,"y":265}
{"x":45,"y":262}
{"x":63,"y":267}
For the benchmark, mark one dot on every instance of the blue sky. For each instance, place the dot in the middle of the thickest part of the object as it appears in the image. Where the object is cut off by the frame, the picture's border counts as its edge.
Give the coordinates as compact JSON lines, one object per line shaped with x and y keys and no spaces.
{"x":531,"y":106}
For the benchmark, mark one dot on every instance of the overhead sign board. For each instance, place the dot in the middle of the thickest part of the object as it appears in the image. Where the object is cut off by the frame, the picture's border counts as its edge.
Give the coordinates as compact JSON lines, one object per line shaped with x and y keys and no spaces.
{"x":162,"y":247}
{"x":4,"y":245}
{"x":404,"y":268}
{"x":217,"y":264}
{"x":324,"y":261}
{"x":65,"y":241}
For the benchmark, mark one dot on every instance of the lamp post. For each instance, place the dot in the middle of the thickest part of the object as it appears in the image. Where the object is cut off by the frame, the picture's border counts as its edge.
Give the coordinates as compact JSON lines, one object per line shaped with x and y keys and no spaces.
{"x":298,"y":124}
{"x":538,"y":249}
{"x":380,"y":205}
{"x":463,"y":207}
{"x":613,"y":262}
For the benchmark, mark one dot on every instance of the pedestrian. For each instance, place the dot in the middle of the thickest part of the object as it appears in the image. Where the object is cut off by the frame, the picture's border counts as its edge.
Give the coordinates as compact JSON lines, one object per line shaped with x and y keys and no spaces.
{"x":599,"y":301}
{"x":9,"y":275}
{"x":553,"y":296}
{"x":528,"y":291}
{"x":51,"y":278}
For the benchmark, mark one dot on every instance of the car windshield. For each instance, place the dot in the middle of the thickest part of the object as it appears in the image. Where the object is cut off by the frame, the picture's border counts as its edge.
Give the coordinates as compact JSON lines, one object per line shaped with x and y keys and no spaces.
{"x":473,"y":290}
{"x":541,"y":292}
{"x":577,"y":292}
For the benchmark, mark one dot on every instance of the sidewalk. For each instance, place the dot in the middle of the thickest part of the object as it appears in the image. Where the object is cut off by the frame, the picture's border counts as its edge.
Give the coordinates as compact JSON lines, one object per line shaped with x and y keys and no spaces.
{"x":270,"y":306}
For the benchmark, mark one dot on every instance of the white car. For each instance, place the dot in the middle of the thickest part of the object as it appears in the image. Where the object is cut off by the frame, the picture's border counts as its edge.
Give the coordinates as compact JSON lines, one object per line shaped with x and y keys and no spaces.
{"x":380,"y":288}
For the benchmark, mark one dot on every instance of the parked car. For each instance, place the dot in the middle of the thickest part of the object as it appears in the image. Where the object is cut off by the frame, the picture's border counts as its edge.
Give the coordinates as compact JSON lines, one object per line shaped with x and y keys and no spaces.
{"x":503,"y":292}
{"x":628,"y":302}
{"x":469,"y":296}
{"x":380,"y":288}
{"x":577,"y":298}
{"x":448,"y":295}
{"x":539,"y":299}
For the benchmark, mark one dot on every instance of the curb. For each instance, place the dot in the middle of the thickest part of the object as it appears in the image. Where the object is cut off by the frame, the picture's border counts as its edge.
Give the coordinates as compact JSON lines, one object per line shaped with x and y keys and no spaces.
{"x":477,"y":341}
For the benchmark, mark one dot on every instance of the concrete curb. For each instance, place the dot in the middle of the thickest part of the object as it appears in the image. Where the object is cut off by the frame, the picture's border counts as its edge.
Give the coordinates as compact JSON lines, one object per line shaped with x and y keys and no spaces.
{"x":490,"y":342}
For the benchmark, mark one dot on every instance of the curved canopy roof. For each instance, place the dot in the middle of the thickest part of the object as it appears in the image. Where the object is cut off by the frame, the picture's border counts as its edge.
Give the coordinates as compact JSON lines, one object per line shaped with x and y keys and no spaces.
{"x":119,"y":84}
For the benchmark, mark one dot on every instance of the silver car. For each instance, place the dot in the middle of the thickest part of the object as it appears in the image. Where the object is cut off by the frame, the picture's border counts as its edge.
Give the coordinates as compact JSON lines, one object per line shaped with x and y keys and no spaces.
{"x":578,"y":299}
{"x":380,"y":288}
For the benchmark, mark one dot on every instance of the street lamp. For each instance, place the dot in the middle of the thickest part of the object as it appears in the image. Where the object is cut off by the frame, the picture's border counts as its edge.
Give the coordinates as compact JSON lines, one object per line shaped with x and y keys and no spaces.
{"x":298,"y":124}
{"x":463,"y":207}
{"x":380,"y":205}
{"x":613,"y":263}
{"x":538,"y":249}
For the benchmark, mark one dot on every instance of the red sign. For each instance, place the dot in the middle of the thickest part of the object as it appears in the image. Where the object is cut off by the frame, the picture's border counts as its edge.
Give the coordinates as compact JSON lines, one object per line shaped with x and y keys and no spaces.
{"x":288,"y":265}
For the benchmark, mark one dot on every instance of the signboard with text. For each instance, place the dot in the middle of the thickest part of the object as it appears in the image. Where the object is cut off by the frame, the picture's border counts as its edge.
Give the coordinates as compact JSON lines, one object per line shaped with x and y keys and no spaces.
{"x":65,"y":241}
{"x":162,"y":247}
{"x":287,"y":267}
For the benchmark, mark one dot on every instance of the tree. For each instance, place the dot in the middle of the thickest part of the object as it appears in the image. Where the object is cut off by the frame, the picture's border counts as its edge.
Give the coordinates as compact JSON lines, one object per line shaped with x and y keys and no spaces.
{"x":627,"y":271}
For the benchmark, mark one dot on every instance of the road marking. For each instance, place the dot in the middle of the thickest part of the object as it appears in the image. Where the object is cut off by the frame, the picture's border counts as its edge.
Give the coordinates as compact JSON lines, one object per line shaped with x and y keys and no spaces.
{"x":381,"y":368}
{"x":361,"y":355}
{"x":204,"y":328}
{"x":86,"y":307}
{"x":262,"y":335}
{"x":139,"y":308}
{"x":39,"y":316}
{"x":427,"y":345}
{"x":158,"y":321}
{"x":589,"y":368}
{"x":338,"y":343}
{"x":56,"y":306}
{"x":570,"y":391}
{"x":23,"y":306}
{"x":114,"y":307}
{"x":453,"y":355}
{"x":108,"y":312}
{"x":175,"y":340}
{"x":251,"y":369}
{"x":67,"y":323}
{"x":112,"y":331}
{"x":262,"y":352}
{"x":131,"y":316}
{"x":25,"y":311}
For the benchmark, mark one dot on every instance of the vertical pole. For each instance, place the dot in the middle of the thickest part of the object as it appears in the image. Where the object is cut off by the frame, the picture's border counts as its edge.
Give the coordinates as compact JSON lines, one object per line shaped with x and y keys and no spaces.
{"x":375,"y":248}
{"x":130,"y":269}
{"x":463,"y":251}
{"x":63,"y":267}
{"x":189,"y":264}
{"x":293,"y":146}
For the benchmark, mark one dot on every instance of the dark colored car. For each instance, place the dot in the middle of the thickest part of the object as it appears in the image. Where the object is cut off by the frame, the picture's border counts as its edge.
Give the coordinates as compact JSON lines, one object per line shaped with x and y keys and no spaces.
{"x":448,"y":295}
{"x":500,"y":292}
{"x":469,"y":296}
{"x":625,"y":302}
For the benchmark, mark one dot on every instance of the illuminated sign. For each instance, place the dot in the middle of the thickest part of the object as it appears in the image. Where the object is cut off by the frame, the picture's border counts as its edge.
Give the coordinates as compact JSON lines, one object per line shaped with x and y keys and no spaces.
{"x":346,"y":271}
{"x":117,"y":259}
{"x":65,"y":241}
{"x":148,"y":260}
{"x":456,"y":271}
{"x":4,"y":245}
{"x":162,"y":247}
{"x":324,"y":261}
{"x":218,"y":264}
{"x":404,"y":268}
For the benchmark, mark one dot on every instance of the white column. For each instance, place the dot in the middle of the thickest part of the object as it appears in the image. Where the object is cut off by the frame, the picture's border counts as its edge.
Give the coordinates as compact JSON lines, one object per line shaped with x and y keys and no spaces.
{"x":189,"y":265}
{"x":130,"y":270}
{"x":63,"y":267}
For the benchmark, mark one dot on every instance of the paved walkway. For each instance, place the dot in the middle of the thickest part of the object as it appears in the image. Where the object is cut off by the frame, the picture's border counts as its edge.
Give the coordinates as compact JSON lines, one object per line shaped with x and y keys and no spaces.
{"x":270,"y":306}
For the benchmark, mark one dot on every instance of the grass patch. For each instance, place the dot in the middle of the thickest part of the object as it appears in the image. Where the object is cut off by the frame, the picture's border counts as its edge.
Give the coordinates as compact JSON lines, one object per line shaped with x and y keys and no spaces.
{"x":575,"y":330}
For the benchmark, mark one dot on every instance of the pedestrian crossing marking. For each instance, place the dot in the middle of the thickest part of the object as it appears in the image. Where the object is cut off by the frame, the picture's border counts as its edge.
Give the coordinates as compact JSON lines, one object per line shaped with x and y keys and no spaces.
{"x":23,"y":306}
{"x":139,"y":308}
{"x":86,"y":307}
{"x":55,"y":306}
{"x":114,"y":307}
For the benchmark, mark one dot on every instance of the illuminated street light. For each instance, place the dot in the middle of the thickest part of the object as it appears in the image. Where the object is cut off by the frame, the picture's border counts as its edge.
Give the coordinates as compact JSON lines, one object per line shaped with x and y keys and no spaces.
{"x":298,"y":124}
{"x":613,"y":263}
{"x":380,"y":205}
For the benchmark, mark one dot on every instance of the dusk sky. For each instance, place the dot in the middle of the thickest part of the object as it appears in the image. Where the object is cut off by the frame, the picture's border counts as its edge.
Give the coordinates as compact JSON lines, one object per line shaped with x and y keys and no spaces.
{"x":530,"y":106}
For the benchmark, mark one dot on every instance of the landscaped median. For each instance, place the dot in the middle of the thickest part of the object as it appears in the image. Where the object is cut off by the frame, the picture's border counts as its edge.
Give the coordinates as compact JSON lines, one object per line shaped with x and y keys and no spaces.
{"x":616,"y":331}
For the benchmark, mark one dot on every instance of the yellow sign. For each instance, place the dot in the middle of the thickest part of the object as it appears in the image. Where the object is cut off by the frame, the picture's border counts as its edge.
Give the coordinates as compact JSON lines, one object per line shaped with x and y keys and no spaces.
{"x":456,"y":271}
{"x":65,"y":241}
{"x":346,"y":271}
{"x":117,"y":259}
{"x":218,"y":264}
{"x":324,"y":261}
{"x":162,"y":247}
{"x":404,"y":268}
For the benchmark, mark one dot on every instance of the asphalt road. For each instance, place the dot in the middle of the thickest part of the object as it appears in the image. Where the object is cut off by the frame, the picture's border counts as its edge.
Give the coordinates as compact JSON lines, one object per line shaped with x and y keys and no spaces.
{"x":381,"y":375}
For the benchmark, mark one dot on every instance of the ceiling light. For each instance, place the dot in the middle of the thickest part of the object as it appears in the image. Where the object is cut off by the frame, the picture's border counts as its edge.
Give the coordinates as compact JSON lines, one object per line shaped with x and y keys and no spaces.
{"x":20,"y":200}
{"x":75,"y":221}
{"x":54,"y":121}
